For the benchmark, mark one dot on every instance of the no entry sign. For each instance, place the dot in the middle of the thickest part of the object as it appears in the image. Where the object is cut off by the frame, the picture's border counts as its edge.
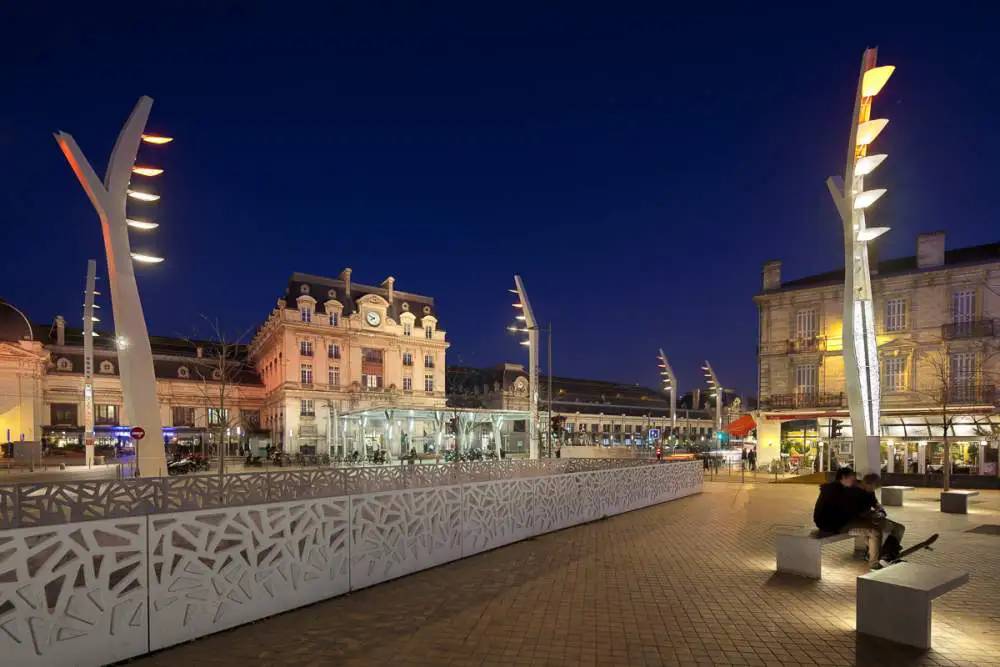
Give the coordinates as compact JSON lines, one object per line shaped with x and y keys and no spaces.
{"x":138,"y":433}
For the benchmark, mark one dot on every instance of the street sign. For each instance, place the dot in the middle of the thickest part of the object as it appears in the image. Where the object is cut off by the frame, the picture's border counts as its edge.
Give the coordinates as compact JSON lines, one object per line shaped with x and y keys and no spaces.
{"x":138,"y":433}
{"x":654,"y":434}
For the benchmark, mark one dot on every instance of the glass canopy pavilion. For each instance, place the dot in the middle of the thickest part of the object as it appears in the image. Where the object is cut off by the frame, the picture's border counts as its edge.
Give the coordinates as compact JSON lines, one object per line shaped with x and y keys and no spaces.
{"x":398,"y":430}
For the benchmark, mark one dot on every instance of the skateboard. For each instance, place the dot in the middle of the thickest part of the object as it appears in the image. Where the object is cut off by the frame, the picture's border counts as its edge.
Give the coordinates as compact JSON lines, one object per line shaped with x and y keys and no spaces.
{"x":926,"y":544}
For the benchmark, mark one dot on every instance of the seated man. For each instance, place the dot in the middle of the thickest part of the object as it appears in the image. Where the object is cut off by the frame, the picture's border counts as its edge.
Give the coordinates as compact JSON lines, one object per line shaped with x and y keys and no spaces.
{"x":869,"y":514}
{"x":834,"y":508}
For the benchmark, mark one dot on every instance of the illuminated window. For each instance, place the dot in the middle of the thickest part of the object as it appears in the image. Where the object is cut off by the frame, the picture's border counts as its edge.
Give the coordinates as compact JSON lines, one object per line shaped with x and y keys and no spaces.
{"x":806,"y":379}
{"x":895,"y":315}
{"x":407,"y":358}
{"x":805,"y":323}
{"x":218,"y":417}
{"x":894,"y":374}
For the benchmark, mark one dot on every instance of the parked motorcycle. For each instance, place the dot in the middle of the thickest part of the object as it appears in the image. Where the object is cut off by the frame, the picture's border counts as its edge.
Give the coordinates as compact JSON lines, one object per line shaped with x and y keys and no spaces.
{"x":181,"y":466}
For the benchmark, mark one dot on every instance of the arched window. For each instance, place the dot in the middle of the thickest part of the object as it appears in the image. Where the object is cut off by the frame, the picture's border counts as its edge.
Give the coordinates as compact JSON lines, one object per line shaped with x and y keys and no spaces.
{"x":183,"y":372}
{"x":107,"y":367}
{"x":64,"y":364}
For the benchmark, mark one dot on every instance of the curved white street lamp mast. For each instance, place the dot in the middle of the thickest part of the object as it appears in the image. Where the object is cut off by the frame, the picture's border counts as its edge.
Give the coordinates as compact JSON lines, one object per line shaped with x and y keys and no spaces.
{"x":861,"y":365}
{"x":716,"y":390}
{"x":135,"y":359}
{"x":670,"y":386}
{"x":527,"y":317}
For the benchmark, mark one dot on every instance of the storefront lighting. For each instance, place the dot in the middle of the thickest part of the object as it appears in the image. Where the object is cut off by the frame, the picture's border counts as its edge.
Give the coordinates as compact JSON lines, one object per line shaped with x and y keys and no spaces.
{"x":142,"y":196}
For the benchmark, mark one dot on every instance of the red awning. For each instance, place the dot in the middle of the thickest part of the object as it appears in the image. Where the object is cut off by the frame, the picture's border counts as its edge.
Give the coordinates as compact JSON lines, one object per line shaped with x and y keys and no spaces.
{"x":741,"y":427}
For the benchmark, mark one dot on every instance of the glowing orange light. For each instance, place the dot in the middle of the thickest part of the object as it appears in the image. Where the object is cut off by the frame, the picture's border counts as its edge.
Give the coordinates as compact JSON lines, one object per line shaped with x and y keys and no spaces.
{"x":155,"y":139}
{"x":147,"y":171}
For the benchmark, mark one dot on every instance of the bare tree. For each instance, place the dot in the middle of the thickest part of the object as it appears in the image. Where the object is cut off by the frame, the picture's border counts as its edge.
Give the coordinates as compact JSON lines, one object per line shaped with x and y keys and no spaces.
{"x":222,"y":363}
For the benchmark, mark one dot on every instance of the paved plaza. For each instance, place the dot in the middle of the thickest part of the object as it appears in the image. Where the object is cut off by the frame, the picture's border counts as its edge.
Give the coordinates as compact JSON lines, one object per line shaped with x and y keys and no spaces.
{"x":689,"y":582}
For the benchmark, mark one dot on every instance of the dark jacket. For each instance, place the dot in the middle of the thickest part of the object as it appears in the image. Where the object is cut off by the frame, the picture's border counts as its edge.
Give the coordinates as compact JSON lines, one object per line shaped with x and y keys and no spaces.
{"x":834,"y":508}
{"x":861,"y":502}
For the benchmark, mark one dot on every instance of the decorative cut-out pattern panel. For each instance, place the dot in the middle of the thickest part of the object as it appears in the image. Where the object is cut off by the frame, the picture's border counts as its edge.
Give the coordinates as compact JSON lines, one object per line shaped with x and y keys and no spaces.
{"x":557,"y":500}
{"x":495,"y":514}
{"x":399,"y":532}
{"x":215,"y":569}
{"x":8,"y":506}
{"x":372,"y":479}
{"x":44,"y":504}
{"x":73,"y":594}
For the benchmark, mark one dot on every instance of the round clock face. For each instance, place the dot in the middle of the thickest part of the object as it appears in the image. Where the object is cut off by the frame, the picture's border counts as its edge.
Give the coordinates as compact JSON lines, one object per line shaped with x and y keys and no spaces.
{"x":373,"y":318}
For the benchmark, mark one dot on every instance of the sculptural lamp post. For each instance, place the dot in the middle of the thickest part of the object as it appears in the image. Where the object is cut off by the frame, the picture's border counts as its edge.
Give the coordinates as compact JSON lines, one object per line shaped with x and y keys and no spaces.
{"x":527,"y":324}
{"x":861,"y":364}
{"x":670,"y":386}
{"x":135,"y":359}
{"x":716,"y":390}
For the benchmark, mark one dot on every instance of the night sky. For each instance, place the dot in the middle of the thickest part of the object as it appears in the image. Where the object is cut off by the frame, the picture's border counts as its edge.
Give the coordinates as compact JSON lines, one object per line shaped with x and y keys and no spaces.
{"x":635,"y":162}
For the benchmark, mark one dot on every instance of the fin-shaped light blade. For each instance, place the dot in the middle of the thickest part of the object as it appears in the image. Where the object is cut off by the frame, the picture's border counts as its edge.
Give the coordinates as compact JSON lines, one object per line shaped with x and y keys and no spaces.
{"x":868,"y":164}
{"x":142,"y":196}
{"x":147,"y":171}
{"x":871,"y":233}
{"x":874,"y":79}
{"x":865,"y":199}
{"x":146,"y":259}
{"x":156,"y":139}
{"x":869,"y":130}
{"x":141,"y":224}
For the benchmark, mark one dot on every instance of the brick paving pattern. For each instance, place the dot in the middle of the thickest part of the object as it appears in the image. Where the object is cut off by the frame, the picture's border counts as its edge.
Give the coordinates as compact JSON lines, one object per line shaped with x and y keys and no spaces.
{"x":689,"y":583}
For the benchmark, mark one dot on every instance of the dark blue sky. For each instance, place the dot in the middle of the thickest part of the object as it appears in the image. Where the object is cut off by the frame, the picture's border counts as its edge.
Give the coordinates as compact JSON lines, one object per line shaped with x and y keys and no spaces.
{"x":635,"y":162}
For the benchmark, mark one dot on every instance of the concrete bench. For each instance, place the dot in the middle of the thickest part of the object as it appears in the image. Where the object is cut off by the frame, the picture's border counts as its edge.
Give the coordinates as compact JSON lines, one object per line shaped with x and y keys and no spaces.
{"x":956,"y":502}
{"x":895,"y":603}
{"x":800,"y":553}
{"x":892,"y":496}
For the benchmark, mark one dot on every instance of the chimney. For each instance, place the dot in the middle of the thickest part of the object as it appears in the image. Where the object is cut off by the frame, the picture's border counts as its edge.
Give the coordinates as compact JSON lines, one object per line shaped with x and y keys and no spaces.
{"x":771,"y":275}
{"x":345,"y":275}
{"x":388,"y":283}
{"x":60,"y":330}
{"x":930,"y":250}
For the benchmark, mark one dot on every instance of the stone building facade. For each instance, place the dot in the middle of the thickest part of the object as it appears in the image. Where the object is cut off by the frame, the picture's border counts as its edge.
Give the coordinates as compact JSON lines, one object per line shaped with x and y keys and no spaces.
{"x":333,"y":346}
{"x":938,"y":337}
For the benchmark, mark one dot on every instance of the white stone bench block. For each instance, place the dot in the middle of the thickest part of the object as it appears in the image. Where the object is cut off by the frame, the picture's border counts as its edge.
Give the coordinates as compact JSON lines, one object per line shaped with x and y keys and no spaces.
{"x":956,"y":502}
{"x":801,"y":553}
{"x":895,"y":603}
{"x":892,"y":496}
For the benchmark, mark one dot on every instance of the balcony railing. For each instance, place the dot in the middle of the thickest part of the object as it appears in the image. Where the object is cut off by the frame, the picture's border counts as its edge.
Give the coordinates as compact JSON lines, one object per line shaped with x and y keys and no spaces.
{"x":970,"y":329}
{"x":804,"y":400}
{"x":969,"y":394}
{"x":813,"y":344}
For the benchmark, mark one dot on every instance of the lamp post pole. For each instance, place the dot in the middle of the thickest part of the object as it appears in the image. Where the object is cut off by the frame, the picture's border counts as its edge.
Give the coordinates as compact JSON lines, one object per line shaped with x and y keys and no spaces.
{"x":530,"y":326}
{"x":88,"y":361}
{"x":109,"y":196}
{"x":670,"y":386}
{"x":861,"y":364}
{"x":713,"y":384}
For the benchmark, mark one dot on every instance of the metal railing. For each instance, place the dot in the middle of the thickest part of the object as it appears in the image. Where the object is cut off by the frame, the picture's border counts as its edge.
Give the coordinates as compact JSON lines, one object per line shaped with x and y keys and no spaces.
{"x":50,"y":503}
{"x":811,"y":344}
{"x":804,"y":400}
{"x":970,"y":329}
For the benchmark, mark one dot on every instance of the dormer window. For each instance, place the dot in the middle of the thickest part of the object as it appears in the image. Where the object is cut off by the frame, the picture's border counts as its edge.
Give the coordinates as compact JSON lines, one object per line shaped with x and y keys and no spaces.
{"x":106,"y":367}
{"x":304,"y":289}
{"x":64,"y":364}
{"x":183,"y":373}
